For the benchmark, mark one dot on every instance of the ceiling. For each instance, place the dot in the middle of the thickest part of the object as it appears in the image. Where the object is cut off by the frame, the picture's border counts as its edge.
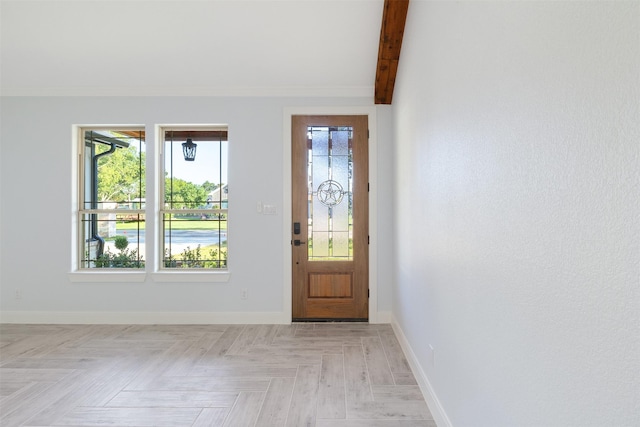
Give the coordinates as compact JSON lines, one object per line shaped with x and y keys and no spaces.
{"x":190,"y":47}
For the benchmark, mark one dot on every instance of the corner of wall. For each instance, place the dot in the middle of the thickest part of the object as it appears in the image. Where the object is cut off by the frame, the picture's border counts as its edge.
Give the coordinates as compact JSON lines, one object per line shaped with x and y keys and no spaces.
{"x":437,"y":411}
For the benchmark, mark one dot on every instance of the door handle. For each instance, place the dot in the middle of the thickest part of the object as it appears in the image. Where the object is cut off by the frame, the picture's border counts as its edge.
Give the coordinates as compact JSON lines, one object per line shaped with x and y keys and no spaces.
{"x":298,"y":242}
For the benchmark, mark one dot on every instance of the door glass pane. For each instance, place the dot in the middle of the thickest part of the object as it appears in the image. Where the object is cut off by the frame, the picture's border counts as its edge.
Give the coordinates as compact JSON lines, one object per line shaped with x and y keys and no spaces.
{"x":330,"y":193}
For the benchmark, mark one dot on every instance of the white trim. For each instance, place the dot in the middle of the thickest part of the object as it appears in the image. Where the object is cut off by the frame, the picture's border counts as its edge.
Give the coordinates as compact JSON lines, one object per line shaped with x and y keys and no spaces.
{"x":384,"y":317}
{"x":437,"y":411}
{"x":76,"y":161}
{"x":141,"y":318}
{"x":370,"y":111}
{"x":237,"y":91}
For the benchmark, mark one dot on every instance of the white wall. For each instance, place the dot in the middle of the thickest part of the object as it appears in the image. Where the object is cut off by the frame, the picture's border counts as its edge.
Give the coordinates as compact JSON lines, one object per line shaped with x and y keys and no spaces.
{"x":36,"y":211}
{"x":517,"y":135}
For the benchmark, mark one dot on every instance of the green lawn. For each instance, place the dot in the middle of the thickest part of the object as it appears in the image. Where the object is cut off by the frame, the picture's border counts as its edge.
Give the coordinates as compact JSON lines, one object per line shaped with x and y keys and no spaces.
{"x":179,"y":224}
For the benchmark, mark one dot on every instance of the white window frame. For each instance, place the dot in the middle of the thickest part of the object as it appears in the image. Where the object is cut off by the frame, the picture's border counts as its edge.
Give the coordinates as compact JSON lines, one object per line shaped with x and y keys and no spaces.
{"x":162,"y":274}
{"x":79,"y":273}
{"x":152,"y":211}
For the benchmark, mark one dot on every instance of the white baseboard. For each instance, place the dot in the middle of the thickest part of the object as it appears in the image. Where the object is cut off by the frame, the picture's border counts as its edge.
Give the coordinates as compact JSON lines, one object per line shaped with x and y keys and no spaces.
{"x":155,"y":318}
{"x":439,"y":415}
{"x":142,"y":318}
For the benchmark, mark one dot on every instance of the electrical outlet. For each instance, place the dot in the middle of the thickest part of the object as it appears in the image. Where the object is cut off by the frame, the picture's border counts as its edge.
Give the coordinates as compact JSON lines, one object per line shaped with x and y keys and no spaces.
{"x":18,"y":294}
{"x":244,"y":294}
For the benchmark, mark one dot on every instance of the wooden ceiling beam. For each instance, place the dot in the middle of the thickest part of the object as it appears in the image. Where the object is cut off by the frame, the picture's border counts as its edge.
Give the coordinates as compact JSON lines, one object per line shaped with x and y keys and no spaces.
{"x":391,"y":32}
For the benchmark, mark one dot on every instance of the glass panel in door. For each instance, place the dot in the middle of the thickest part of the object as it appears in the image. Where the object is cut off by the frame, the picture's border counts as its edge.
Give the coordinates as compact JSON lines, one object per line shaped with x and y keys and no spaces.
{"x":330,"y":193}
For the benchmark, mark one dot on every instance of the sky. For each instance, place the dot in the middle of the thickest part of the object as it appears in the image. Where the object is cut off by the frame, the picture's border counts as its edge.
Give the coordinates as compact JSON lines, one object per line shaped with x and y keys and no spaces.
{"x":205,"y":167}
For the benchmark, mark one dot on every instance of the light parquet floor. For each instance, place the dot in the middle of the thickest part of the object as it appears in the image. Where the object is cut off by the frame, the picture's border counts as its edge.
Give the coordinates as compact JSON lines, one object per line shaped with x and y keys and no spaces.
{"x":305,"y":374}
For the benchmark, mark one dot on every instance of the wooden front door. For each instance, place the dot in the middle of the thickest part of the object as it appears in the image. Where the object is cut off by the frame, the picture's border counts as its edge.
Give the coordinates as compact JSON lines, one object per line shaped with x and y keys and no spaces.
{"x":330,"y":212}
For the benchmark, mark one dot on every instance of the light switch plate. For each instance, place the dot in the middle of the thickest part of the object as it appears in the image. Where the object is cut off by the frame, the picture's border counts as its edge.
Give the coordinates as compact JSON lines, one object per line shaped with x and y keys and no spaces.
{"x":269,"y":210}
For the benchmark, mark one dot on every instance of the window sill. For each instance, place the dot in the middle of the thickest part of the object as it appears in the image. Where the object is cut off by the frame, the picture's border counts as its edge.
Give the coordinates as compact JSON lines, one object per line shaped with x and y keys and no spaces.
{"x":126,"y":276}
{"x":191,"y":276}
{"x":129,"y":276}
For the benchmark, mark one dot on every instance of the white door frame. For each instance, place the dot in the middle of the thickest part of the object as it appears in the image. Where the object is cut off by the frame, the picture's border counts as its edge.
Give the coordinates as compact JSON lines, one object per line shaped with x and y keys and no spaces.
{"x":370,"y":111}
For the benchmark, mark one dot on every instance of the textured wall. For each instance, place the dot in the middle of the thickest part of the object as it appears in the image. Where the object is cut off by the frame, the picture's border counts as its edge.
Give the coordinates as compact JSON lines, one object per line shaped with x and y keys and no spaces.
{"x":517,"y":158}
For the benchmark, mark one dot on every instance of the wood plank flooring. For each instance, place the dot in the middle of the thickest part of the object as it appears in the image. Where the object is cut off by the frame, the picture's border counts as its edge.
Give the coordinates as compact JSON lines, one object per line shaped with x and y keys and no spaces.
{"x":304,"y":374}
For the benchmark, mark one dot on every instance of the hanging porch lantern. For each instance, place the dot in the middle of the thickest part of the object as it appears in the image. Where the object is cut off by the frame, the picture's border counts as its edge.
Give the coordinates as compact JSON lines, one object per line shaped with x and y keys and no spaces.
{"x":189,"y":150}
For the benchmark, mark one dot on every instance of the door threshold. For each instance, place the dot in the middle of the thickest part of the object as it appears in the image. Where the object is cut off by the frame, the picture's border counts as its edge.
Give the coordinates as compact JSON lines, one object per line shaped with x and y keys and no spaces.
{"x":319,"y":320}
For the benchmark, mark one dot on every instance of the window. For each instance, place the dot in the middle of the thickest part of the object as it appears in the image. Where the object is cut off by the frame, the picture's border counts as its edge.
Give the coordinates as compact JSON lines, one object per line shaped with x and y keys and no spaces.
{"x":111,"y":198}
{"x":188,"y":204}
{"x":194,"y":191}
